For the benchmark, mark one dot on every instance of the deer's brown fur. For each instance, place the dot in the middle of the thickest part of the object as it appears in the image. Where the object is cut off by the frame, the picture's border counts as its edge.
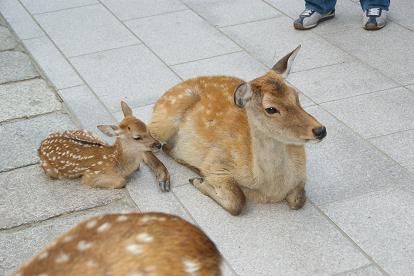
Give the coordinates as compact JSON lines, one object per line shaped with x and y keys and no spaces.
{"x":128,"y":244}
{"x":74,"y":154}
{"x":221,"y":127}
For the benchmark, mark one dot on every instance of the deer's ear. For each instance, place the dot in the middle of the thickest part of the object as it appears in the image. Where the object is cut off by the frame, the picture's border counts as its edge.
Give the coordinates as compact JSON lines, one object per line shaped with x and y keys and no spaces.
{"x":110,"y":130}
{"x":242,"y":94}
{"x":283,"y":66}
{"x":126,"y":109}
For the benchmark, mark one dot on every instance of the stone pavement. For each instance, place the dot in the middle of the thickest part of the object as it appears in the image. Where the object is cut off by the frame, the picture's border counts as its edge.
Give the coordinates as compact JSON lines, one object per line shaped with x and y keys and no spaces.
{"x":359,"y":218}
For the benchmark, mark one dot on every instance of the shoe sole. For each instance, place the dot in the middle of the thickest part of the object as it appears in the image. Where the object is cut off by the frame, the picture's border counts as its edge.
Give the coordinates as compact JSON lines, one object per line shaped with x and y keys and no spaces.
{"x":373,"y":27}
{"x":299,"y":26}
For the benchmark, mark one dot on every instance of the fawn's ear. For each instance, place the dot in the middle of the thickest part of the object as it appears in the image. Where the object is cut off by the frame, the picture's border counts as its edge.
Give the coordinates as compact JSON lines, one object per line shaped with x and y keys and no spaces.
{"x":126,"y":109}
{"x":110,"y":130}
{"x":242,"y":94}
{"x":283,"y":66}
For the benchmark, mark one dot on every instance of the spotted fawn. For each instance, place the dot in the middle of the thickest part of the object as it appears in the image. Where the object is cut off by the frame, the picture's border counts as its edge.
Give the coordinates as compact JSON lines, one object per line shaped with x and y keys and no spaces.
{"x":245,"y":139}
{"x":128,"y":244}
{"x":74,"y":154}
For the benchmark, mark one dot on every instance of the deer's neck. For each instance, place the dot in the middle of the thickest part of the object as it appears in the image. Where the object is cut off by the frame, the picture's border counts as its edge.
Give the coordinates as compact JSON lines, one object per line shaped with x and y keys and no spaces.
{"x":128,"y":155}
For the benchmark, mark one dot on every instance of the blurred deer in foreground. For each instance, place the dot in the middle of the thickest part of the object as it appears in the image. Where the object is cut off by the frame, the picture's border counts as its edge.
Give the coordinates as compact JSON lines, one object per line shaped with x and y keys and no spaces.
{"x":73,"y":154}
{"x":243,"y":138}
{"x":128,"y":244}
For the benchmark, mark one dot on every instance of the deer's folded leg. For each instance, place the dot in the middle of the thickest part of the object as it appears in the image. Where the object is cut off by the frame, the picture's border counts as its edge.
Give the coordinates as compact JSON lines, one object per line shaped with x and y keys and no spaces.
{"x":104,"y":180}
{"x":161,"y":173}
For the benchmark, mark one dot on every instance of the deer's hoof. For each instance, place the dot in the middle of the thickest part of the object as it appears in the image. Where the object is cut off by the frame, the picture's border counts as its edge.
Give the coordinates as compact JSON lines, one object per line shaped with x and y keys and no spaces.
{"x":196,"y":179}
{"x":165,"y":185}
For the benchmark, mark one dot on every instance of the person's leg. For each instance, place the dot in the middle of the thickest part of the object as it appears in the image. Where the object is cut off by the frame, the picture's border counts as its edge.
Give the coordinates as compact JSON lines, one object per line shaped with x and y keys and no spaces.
{"x":320,"y":6}
{"x":368,"y":4}
{"x":315,"y":11}
{"x":375,"y":13}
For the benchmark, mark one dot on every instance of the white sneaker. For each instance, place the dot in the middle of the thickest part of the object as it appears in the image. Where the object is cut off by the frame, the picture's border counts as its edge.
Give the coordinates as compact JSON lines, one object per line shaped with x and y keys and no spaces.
{"x":374,"y":19}
{"x":309,"y":19}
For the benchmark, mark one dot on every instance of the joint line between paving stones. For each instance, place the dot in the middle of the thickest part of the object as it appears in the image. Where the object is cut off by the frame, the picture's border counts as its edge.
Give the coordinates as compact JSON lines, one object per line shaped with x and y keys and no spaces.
{"x":64,"y":9}
{"x":102,"y":51}
{"x":19,"y":167}
{"x":349,"y":238}
{"x":17,"y":81}
{"x":153,"y":15}
{"x":352,"y":270}
{"x":200,"y":59}
{"x":251,"y":21}
{"x":73,"y":67}
{"x":391,"y":133}
{"x":19,"y":119}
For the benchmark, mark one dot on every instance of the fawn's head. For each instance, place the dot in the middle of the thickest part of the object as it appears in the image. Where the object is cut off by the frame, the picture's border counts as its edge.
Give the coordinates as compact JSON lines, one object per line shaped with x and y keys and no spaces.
{"x":273,"y":106}
{"x":132,"y":131}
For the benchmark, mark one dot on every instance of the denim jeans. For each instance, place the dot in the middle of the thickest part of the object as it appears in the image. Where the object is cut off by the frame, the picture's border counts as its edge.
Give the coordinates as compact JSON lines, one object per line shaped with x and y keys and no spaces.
{"x":325,"y":6}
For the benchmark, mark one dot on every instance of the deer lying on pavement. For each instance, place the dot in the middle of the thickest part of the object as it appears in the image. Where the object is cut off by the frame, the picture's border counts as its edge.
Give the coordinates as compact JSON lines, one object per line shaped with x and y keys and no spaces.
{"x":74,"y":154}
{"x":243,"y":138}
{"x":128,"y":244}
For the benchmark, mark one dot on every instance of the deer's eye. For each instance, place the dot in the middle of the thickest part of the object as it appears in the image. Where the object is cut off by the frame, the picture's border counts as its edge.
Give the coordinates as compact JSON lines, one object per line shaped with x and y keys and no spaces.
{"x":129,"y":128}
{"x":138,"y":138}
{"x":272,"y":110}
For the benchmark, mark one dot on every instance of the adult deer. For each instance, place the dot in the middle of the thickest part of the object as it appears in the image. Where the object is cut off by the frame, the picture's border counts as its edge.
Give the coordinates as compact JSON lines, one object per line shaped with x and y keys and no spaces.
{"x":243,"y":138}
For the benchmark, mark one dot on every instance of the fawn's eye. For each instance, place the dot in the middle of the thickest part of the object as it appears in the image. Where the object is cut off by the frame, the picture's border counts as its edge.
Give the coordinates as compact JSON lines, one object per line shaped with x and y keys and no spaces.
{"x":272,"y":110}
{"x":138,"y":138}
{"x":129,"y":128}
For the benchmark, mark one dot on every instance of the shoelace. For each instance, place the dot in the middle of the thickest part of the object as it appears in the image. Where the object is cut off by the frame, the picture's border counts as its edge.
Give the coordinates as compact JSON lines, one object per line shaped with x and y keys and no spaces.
{"x":374,"y":12}
{"x":307,"y":12}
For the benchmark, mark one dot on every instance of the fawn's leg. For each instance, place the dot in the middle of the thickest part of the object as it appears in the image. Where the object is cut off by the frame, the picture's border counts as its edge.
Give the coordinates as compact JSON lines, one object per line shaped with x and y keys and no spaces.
{"x":113,"y":181}
{"x":160,"y":171}
{"x":296,"y":197}
{"x":49,"y":170}
{"x":222,"y":189}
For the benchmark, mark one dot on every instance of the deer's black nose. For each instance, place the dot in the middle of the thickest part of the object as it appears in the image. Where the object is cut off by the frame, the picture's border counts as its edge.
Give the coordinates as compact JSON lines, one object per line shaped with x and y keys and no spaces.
{"x":319,"y":132}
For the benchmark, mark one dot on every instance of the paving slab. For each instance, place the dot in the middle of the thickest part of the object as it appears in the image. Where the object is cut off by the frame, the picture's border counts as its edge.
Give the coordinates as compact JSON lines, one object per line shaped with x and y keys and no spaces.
{"x":370,"y":270}
{"x":26,"y":136}
{"x":187,"y":35}
{"x":42,"y":6}
{"x":44,"y":198}
{"x":228,"y":12}
{"x":344,"y":165}
{"x":53,"y":64}
{"x":399,"y":146}
{"x":269,"y":237}
{"x":340,"y":81}
{"x":131,"y":9}
{"x":17,"y":246}
{"x":143,"y":113}
{"x":16,"y":66}
{"x":376,"y":114}
{"x":381,"y":224}
{"x":401,"y":12}
{"x":92,"y":29}
{"x":392,"y":57}
{"x":274,"y":38}
{"x":7,"y":41}
{"x":86,"y":108}
{"x":27,"y":98}
{"x":132,"y":74}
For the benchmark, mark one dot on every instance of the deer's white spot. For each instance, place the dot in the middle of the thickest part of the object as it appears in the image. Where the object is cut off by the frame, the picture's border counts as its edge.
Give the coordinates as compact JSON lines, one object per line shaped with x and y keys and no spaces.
{"x":190,"y":266}
{"x":91,"y":224}
{"x":121,"y":218}
{"x":43,"y":255}
{"x":144,"y":237}
{"x":91,"y":263}
{"x":135,"y":249}
{"x":100,"y":162}
{"x":68,"y":238}
{"x":62,"y":258}
{"x":84,"y":245}
{"x":104,"y":227}
{"x":147,"y":218}
{"x":42,"y":274}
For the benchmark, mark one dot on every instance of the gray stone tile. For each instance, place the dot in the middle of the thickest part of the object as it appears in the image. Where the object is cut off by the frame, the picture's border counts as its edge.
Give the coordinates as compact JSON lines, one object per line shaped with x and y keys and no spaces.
{"x":53,"y":64}
{"x":238,"y":64}
{"x":44,"y":198}
{"x":19,"y":19}
{"x":304,"y":100}
{"x":255,"y":38}
{"x":401,"y":12}
{"x":411,"y":87}
{"x":344,"y":165}
{"x":291,"y":8}
{"x":132,"y":73}
{"x":181,"y":36}
{"x":370,"y":270}
{"x":7,"y":42}
{"x":19,"y":245}
{"x":92,"y":29}
{"x":399,"y":146}
{"x":391,"y":58}
{"x":228,"y":12}
{"x":16,"y":66}
{"x":26,"y":136}
{"x":27,"y":98}
{"x":86,"y":108}
{"x":41,"y":6}
{"x":378,"y":113}
{"x":143,"y":113}
{"x":381,"y":224}
{"x":340,"y":81}
{"x":283,"y":240}
{"x":131,"y":9}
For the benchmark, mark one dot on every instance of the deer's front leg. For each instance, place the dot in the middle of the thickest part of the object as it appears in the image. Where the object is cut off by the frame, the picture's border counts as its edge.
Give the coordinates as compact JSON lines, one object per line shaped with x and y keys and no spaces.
{"x":111,"y":181}
{"x":296,"y":197}
{"x":161,"y":173}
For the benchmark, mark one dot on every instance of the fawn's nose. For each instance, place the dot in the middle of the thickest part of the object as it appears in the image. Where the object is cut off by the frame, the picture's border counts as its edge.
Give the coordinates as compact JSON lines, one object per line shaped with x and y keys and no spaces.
{"x":156,"y":146}
{"x":319,"y":132}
